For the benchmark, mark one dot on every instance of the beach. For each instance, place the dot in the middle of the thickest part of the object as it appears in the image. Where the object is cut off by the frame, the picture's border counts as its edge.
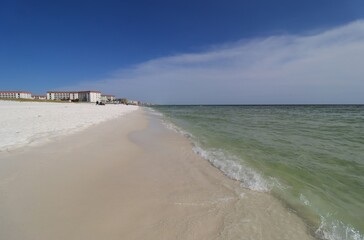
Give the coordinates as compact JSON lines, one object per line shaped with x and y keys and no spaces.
{"x":131,"y":178}
{"x":24,"y":123}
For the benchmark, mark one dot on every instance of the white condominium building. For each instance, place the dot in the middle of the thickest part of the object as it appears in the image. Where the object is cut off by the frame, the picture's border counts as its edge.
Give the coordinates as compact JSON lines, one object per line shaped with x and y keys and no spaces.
{"x":15,"y":94}
{"x":89,"y":96}
{"x":81,"y":96}
{"x":53,"y":95}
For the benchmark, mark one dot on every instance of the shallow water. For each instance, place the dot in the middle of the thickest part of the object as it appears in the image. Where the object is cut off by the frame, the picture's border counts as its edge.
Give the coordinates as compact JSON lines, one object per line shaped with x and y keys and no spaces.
{"x":310,"y":157}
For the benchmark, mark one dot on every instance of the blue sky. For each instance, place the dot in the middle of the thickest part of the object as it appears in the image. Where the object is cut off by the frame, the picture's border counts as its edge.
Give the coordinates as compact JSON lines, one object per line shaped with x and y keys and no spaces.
{"x":258,"y":51}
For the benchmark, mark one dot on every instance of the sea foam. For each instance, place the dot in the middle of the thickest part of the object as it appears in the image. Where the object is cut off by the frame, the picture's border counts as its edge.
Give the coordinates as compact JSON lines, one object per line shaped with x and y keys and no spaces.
{"x":337,"y":230}
{"x":230,"y":165}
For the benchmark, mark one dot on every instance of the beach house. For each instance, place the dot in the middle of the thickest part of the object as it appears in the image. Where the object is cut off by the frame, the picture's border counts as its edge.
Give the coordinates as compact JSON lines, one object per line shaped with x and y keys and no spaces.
{"x":107,"y":98}
{"x":15,"y":94}
{"x":133,"y":102}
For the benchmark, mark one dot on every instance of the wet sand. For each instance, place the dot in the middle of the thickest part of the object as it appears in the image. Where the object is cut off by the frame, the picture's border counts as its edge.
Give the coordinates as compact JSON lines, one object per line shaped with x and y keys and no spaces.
{"x":130,"y":178}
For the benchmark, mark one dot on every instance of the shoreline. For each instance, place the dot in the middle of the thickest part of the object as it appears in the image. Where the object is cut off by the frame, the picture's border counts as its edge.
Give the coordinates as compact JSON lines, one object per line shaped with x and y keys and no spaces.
{"x":131,"y":178}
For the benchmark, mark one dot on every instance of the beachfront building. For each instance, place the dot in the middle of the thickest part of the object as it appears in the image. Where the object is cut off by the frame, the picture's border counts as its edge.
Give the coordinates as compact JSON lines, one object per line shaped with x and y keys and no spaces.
{"x":39,"y":97}
{"x":89,"y":96}
{"x":107,"y":98}
{"x":133,"y":102}
{"x":81,"y":96}
{"x":62,"y":95}
{"x":15,"y":94}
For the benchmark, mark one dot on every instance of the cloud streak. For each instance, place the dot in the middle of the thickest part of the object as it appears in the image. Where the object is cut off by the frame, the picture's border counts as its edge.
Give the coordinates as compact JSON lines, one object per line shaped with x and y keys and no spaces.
{"x":326,"y":67}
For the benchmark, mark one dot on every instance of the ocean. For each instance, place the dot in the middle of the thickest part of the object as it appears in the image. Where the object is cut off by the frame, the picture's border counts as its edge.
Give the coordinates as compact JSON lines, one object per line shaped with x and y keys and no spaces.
{"x":309,"y":157}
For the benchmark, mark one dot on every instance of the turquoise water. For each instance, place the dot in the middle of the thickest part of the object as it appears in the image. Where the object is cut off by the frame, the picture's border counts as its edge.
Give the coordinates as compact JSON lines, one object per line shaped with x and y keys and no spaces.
{"x":310,"y":157}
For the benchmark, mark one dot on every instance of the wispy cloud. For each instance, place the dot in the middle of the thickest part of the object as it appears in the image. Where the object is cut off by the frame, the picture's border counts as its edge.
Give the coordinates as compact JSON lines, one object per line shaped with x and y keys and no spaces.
{"x":327,"y":67}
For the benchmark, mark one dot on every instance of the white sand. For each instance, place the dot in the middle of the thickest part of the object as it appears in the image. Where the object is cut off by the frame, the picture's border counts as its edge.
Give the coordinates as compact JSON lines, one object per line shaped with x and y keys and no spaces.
{"x":22,"y":123}
{"x":130,"y":178}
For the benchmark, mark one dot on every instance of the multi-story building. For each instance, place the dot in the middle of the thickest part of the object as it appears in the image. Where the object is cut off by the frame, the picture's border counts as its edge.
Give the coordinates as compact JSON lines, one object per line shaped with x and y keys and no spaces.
{"x":15,"y":94}
{"x":62,"y":95}
{"x":89,"y":96}
{"x":107,"y":98}
{"x":81,"y":96}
